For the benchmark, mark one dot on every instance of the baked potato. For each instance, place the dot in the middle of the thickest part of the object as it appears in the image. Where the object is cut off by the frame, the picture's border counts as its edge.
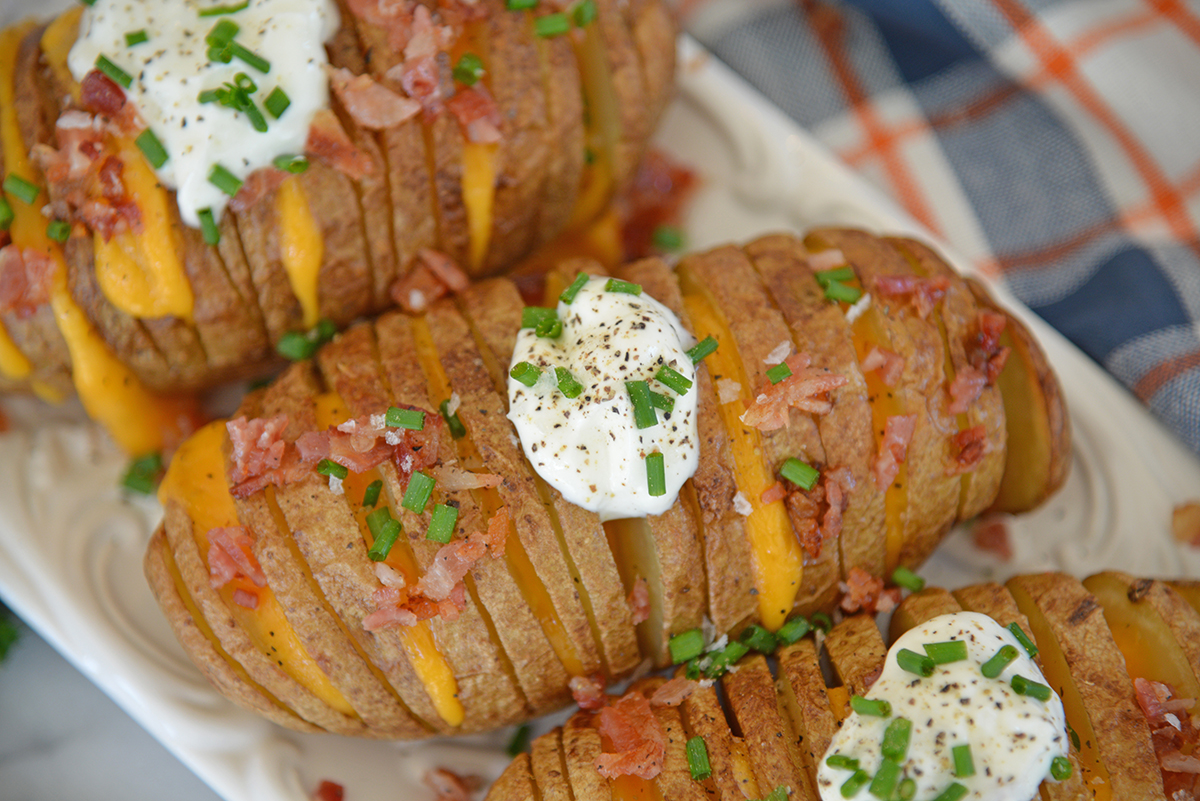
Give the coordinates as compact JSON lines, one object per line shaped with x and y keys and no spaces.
{"x":378,"y":215}
{"x":1121,"y":653}
{"x":265,"y":573}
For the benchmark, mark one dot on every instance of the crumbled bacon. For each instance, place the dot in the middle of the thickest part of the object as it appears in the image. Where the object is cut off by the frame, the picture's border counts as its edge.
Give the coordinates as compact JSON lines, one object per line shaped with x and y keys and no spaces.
{"x":231,"y":554}
{"x":329,"y":142}
{"x":588,"y":691}
{"x":970,"y":446}
{"x":1185,"y":523}
{"x":100,"y":94}
{"x":816,"y":514}
{"x":922,"y":293}
{"x":775,"y":492}
{"x":728,"y":390}
{"x":449,"y":786}
{"x":451,"y":478}
{"x":370,"y":104}
{"x":990,"y":533}
{"x":257,"y":185}
{"x":394,"y":16}
{"x":445,"y":269}
{"x":825,"y":260}
{"x":477,"y":114}
{"x":657,"y":196}
{"x":258,"y":446}
{"x":800,"y":390}
{"x":1174,"y":735}
{"x":427,"y":80}
{"x":673,"y":692}
{"x":984,"y":352}
{"x":639,"y":600}
{"x":966,"y":388}
{"x":245,"y":598}
{"x":433,"y":276}
{"x":329,"y":791}
{"x":634,"y":740}
{"x":863,"y":592}
{"x":893,"y":448}
{"x":25,"y":277}
{"x":888,"y":364}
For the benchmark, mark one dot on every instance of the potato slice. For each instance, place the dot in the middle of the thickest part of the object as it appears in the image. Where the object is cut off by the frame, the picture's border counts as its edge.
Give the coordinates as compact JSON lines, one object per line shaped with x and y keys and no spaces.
{"x":549,"y":769}
{"x":676,"y":782}
{"x":802,"y":688}
{"x":581,"y":746}
{"x":856,"y":651}
{"x":919,"y":608}
{"x":703,"y":717}
{"x":516,"y":782}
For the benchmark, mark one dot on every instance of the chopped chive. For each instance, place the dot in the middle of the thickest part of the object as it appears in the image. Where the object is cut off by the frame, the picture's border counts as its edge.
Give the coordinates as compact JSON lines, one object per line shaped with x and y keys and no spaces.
{"x":964,"y":763}
{"x":441,"y":523}
{"x":584,"y":13}
{"x":533,"y":316}
{"x":841,"y":762}
{"x":9,"y":633}
{"x":726,"y":659}
{"x":250,"y":57}
{"x":21,"y":189}
{"x":551,"y":25}
{"x":114,"y":72}
{"x":943,"y":653}
{"x":526,"y":373}
{"x":996,"y":665}
{"x":835,"y":290}
{"x":895,"y":739}
{"x":656,"y":475}
{"x":674,"y":380}
{"x":377,"y":519}
{"x":222,"y":54}
{"x":468,"y":70}
{"x":1023,"y":638}
{"x":567,"y":384}
{"x":780,"y":793}
{"x":222,"y":33}
{"x":821,"y":621}
{"x":685,"y":645}
{"x":520,"y":5}
{"x":457,"y":430}
{"x":907,"y":789}
{"x":622,"y":287}
{"x":142,"y":473}
{"x":778,"y":373}
{"x":666,"y":237}
{"x":856,"y":782}
{"x":6,"y":214}
{"x":291,"y":164}
{"x":295,"y":346}
{"x":381,"y":546}
{"x":413,"y":419}
{"x":1060,"y":768}
{"x":208,"y":227}
{"x":793,"y":630}
{"x":88,"y":3}
{"x":216,"y":11}
{"x":568,"y":294}
{"x":549,"y":328}
{"x":58,"y":230}
{"x":134,"y":38}
{"x":903,"y":577}
{"x":371,"y":493}
{"x":800,"y":473}
{"x":1030,"y":688}
{"x":869,"y":706}
{"x":420,"y":487}
{"x":208,"y":96}
{"x":151,"y":148}
{"x":328,"y":467}
{"x":224,"y":180}
{"x":697,"y":758}
{"x":911,"y":661}
{"x":838,"y":274}
{"x":759,"y":639}
{"x":644,"y":415}
{"x":1074,"y":737}
{"x":277,"y":102}
{"x":252,"y":113}
{"x":885,"y":779}
{"x":955,"y":792}
{"x":692,"y":669}
{"x":520,"y":740}
{"x":660,"y":401}
{"x":701,"y":349}
{"x":589,"y":156}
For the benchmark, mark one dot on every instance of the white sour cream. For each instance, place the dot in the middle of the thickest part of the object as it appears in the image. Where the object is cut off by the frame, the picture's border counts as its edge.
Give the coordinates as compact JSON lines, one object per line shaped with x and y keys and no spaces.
{"x":1012,"y":737}
{"x":171,"y":68}
{"x":588,"y":448}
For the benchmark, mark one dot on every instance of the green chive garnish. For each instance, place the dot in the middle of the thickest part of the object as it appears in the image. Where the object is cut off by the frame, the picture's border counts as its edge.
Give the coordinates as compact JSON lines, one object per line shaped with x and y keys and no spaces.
{"x":623,"y":287}
{"x":907,"y":789}
{"x":793,"y":630}
{"x":224,"y":180}
{"x":328,"y":467}
{"x":134,"y":38}
{"x":250,"y":57}
{"x":6,"y":214}
{"x":1074,"y":737}
{"x":656,"y":474}
{"x":21,"y":189}
{"x":697,"y":758}
{"x":856,"y":782}
{"x":778,"y":373}
{"x":441,"y":523}
{"x":686,"y":645}
{"x":533,"y":316}
{"x":920,"y":664}
{"x":526,"y":373}
{"x":550,"y":328}
{"x":1023,"y":638}
{"x":457,"y":429}
{"x":895,"y":739}
{"x":208,"y":227}
{"x":660,"y":401}
{"x":371,"y":493}
{"x":151,"y":148}
{"x":381,"y":546}
{"x":114,"y":72}
{"x":1030,"y":688}
{"x":884,"y":781}
{"x":996,"y":665}
{"x":468,"y":70}
{"x":701,"y":349}
{"x":954,"y":792}
{"x":9,"y":634}
{"x":551,"y":25}
{"x":821,"y":621}
{"x":567,"y":384}
{"x":520,"y":5}
{"x":838,"y":274}
{"x":726,"y":659}
{"x":674,"y":379}
{"x":903,"y":577}
{"x":943,"y":653}
{"x":277,"y":102}
{"x":759,"y":639}
{"x":780,"y":793}
{"x":841,"y":762}
{"x":964,"y":764}
{"x":666,"y":237}
{"x":842,"y":293}
{"x":644,"y":415}
{"x":800,"y":473}
{"x":58,"y":230}
{"x":142,"y":474}
{"x":1060,"y":768}
{"x":292,"y":164}
{"x":568,"y":294}
{"x":222,"y":33}
{"x":520,"y":740}
{"x":88,"y":3}
{"x":869,"y":706}
{"x":420,"y":487}
{"x":584,"y":13}
{"x":413,"y":419}
{"x":216,"y":11}
{"x":295,"y":346}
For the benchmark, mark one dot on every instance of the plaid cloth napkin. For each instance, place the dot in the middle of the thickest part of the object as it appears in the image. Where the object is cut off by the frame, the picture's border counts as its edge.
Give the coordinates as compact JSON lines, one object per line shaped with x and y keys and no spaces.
{"x":1055,"y":143}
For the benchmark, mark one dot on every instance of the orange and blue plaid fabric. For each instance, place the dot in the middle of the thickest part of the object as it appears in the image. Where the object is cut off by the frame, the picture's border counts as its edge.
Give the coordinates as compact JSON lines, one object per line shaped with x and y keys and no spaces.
{"x":1054,"y":143}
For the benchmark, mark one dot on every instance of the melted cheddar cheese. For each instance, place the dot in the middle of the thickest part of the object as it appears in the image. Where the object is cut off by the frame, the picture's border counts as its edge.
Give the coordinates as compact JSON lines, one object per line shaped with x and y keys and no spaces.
{"x":301,"y":247}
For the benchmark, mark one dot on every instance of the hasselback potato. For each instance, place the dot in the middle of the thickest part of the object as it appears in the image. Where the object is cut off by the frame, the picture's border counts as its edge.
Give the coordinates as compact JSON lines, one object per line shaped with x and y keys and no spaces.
{"x":263,"y":561}
{"x":1121,"y":652}
{"x":380,"y":202}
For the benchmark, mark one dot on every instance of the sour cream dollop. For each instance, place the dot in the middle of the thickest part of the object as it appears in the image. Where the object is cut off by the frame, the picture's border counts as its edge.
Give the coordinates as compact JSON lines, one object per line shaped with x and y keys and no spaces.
{"x":1013,"y":738}
{"x":171,"y":68}
{"x":588,"y":447}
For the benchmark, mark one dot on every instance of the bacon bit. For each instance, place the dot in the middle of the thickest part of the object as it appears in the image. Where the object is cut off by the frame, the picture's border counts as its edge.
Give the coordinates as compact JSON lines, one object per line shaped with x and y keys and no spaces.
{"x":588,"y":691}
{"x":990,"y":533}
{"x":450,"y":607}
{"x":369,"y":103}
{"x":922,"y":293}
{"x":394,"y":16}
{"x":673,"y":692}
{"x":728,"y":390}
{"x":417,"y":290}
{"x":329,"y":142}
{"x":100,"y":94}
{"x":862,"y":591}
{"x":657,"y":196}
{"x":427,"y":80}
{"x":24,"y":280}
{"x":869,"y":679}
{"x":639,"y":600}
{"x":803,"y":508}
{"x":966,"y":388}
{"x":258,"y":445}
{"x":888,"y":364}
{"x":1185,"y":523}
{"x":245,"y":598}
{"x":893,"y":448}
{"x":389,"y":576}
{"x":449,"y":786}
{"x":257,"y":185}
{"x":983,"y":348}
{"x":825,"y":259}
{"x":1174,"y":736}
{"x":970,"y":445}
{"x":770,"y":410}
{"x":497,"y":531}
{"x":775,"y":492}
{"x":837,"y":483}
{"x":477,"y":114}
{"x":329,"y":791}
{"x":630,"y":728}
{"x":445,"y":269}
{"x":231,"y":554}
{"x":451,"y":479}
